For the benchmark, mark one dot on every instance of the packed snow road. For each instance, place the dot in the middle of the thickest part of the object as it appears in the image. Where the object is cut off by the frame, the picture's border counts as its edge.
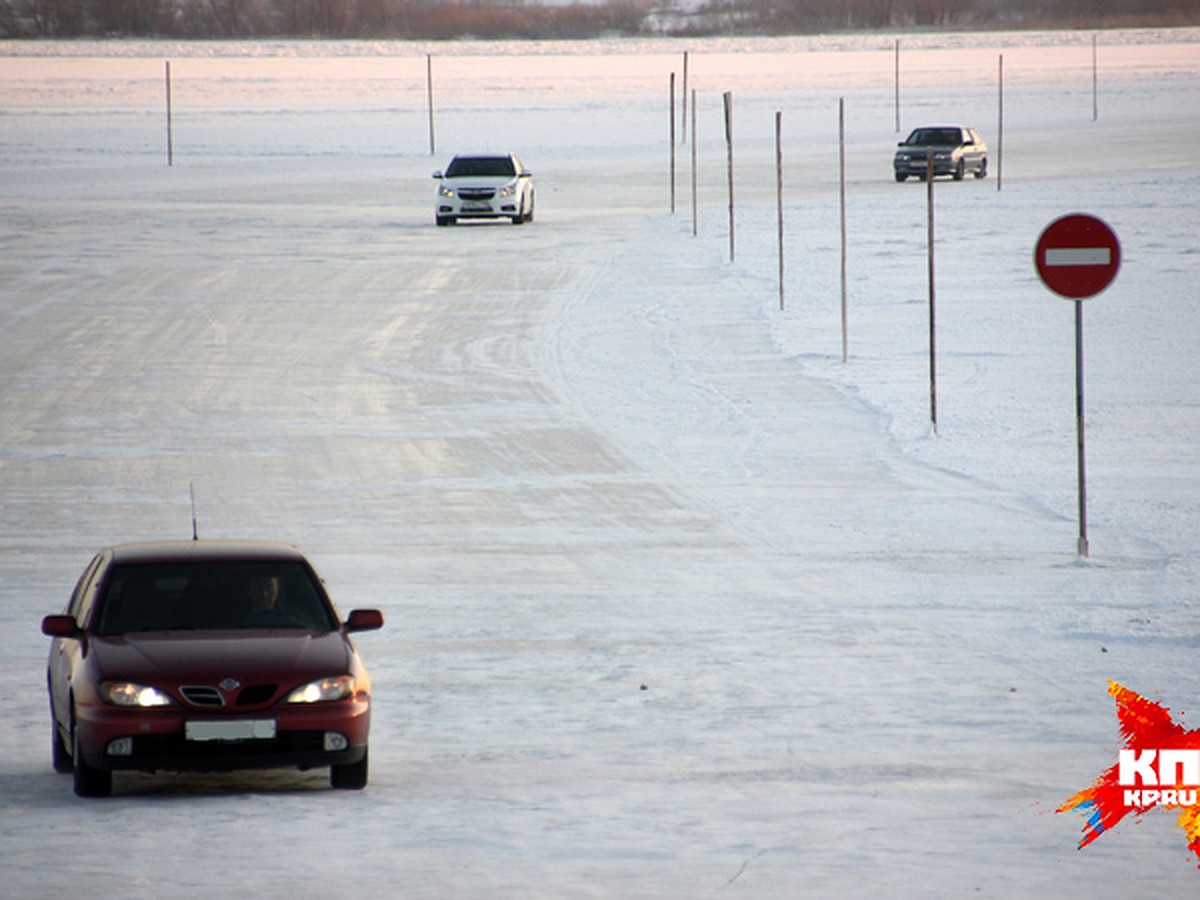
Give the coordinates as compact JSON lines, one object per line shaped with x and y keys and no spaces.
{"x":667,"y":615}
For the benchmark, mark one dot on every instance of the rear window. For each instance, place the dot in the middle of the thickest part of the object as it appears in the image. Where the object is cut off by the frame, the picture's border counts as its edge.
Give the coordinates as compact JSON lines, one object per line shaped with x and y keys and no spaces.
{"x":206,"y":595}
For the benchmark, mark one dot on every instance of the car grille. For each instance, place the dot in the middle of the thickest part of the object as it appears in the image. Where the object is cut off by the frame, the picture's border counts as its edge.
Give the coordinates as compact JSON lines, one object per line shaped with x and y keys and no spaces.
{"x":209,"y":697}
{"x":202,"y":695}
{"x":256,"y":694}
{"x":476,"y":193}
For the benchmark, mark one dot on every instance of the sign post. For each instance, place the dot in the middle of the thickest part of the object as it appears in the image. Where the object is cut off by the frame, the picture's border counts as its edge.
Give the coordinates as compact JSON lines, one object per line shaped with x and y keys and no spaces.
{"x":1077,"y":257}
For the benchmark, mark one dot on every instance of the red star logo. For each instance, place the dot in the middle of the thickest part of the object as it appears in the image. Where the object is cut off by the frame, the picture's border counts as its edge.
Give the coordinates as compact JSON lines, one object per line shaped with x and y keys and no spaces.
{"x":1148,"y":730}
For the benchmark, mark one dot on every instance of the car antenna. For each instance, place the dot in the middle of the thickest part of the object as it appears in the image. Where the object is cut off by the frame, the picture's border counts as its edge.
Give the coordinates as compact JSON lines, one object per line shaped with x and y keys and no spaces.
{"x":192,"y":493}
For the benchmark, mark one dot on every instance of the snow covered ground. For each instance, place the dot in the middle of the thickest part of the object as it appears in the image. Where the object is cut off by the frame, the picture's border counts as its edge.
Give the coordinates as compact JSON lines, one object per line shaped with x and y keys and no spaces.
{"x":679,"y":603}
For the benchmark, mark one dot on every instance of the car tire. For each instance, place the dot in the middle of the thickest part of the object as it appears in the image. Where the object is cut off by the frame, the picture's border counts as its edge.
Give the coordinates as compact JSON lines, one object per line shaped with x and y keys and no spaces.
{"x":901,"y":177}
{"x":89,"y":782}
{"x":445,"y":220}
{"x":960,"y":170}
{"x":350,"y":777}
{"x":60,"y":755}
{"x":981,"y":172}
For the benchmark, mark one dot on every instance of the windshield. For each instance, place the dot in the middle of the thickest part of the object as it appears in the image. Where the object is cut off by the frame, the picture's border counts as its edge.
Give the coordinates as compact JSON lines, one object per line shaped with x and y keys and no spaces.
{"x":501,"y":166}
{"x":194,"y":595}
{"x":934,"y":137}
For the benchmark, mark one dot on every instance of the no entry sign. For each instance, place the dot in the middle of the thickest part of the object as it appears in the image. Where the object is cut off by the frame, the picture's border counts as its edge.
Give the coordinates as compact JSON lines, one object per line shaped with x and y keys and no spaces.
{"x":1077,"y":256}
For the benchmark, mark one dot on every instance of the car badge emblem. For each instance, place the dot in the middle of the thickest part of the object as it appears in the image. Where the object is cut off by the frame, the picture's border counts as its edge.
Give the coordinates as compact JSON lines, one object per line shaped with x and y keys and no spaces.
{"x":230,"y":684}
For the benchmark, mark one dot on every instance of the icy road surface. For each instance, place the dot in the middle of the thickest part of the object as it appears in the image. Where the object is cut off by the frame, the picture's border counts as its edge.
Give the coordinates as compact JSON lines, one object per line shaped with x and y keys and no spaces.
{"x":679,"y":604}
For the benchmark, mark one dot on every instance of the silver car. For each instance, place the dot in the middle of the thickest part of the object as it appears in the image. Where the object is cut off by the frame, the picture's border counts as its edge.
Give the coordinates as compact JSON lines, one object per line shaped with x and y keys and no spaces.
{"x":484,"y":186}
{"x":956,"y":151}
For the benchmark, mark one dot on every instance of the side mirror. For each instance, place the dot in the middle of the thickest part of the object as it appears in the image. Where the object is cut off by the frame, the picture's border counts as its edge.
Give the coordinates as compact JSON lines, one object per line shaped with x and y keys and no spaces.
{"x":438,"y":175}
{"x":61,"y":626}
{"x":364,"y":620}
{"x":525,"y":174}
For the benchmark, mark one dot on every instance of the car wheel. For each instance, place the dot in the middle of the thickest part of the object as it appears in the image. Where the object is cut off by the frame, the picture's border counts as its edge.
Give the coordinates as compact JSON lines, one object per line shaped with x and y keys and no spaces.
{"x":350,"y":777}
{"x":981,"y":172}
{"x":960,"y":170}
{"x":529,"y":211}
{"x":89,"y":782}
{"x":445,"y":220}
{"x":900,"y":176}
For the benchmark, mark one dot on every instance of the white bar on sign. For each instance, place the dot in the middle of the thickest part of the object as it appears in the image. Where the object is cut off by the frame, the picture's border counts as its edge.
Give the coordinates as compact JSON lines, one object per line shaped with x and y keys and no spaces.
{"x":1079,"y":256}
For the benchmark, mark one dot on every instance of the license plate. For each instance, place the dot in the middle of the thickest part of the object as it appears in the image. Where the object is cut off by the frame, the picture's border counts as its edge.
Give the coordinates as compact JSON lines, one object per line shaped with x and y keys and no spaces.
{"x":476,"y":207}
{"x":235,"y":730}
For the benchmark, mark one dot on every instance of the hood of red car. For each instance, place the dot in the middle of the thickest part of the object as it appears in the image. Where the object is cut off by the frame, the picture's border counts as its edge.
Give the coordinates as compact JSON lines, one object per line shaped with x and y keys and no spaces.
{"x":206,"y":657}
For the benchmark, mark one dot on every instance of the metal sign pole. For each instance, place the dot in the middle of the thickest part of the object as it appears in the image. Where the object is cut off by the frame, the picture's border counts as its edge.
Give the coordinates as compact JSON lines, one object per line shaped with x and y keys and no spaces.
{"x":1079,"y":429}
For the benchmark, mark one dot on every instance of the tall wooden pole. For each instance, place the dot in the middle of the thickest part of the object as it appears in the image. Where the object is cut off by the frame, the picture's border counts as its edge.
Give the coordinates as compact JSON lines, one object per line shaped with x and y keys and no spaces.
{"x":842,"y":205}
{"x":1000,"y":126}
{"x":728,"y":102}
{"x":897,"y":82}
{"x":932,"y":297}
{"x":695,"y":209}
{"x":683,"y":100}
{"x":671,"y":140}
{"x":779,"y":195}
{"x":429,"y":99}
{"x":170,"y":134}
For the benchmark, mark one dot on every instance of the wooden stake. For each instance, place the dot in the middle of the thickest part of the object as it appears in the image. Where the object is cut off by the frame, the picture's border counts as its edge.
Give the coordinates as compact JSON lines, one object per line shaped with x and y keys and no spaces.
{"x":695,"y":209}
{"x":728,"y":102}
{"x":170,"y":134}
{"x":842,"y":203}
{"x":671,"y":140}
{"x":779,"y":195}
{"x":429,"y":99}
{"x":932,"y":297}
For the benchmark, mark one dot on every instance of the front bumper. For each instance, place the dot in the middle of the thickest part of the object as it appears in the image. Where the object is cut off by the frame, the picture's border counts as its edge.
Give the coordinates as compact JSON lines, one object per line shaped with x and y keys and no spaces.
{"x":919,"y":165}
{"x":478,"y":209}
{"x":305,"y":737}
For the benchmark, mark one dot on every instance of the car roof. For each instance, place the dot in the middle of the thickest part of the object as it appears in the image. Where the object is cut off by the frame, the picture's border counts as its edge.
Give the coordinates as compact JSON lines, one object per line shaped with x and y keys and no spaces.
{"x":204,"y":551}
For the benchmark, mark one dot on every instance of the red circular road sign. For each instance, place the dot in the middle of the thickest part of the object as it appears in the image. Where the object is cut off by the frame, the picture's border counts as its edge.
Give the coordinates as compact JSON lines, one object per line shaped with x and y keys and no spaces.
{"x":1077,"y":256}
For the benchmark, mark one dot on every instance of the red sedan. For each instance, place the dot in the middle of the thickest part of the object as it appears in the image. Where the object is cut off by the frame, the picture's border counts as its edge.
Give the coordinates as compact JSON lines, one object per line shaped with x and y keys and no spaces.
{"x":206,"y":656}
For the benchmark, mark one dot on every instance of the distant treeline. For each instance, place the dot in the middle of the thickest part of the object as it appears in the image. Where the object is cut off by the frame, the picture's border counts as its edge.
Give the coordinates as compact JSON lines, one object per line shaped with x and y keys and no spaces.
{"x":451,"y":19}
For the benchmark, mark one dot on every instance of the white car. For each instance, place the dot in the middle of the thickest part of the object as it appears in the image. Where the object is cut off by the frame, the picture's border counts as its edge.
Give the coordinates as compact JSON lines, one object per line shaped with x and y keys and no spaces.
{"x":484,"y":186}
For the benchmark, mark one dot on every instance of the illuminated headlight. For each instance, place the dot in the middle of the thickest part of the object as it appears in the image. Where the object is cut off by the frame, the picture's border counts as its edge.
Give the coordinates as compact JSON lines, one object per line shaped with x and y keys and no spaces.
{"x":444,"y":191}
{"x":508,"y":190}
{"x":335,"y":687}
{"x":131,"y":694}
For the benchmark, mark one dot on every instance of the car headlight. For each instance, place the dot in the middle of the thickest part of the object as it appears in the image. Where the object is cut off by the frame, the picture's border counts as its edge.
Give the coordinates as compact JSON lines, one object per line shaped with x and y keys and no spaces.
{"x":132,"y":694}
{"x":508,"y":190}
{"x":333,"y":687}
{"x":444,"y":191}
